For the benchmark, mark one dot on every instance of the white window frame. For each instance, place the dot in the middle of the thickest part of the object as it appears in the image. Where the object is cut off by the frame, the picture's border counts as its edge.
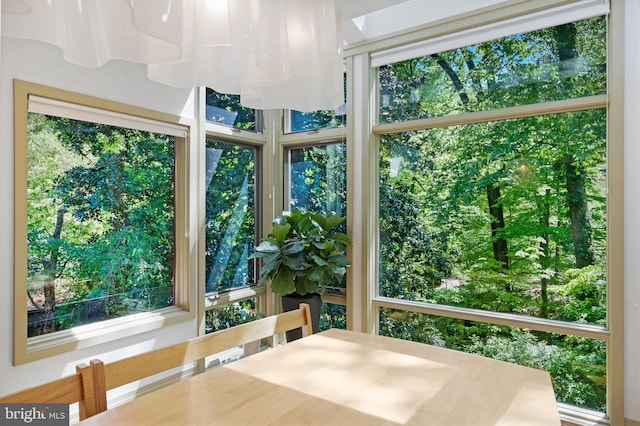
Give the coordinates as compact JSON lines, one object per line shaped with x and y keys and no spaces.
{"x":30,"y":97}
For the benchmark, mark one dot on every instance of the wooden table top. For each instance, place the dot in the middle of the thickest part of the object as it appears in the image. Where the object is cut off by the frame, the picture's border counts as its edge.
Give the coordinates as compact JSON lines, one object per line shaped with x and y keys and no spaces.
{"x":342,"y":377}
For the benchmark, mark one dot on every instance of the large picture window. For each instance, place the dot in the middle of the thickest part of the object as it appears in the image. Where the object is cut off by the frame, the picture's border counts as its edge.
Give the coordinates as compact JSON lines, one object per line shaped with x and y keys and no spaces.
{"x":492,"y":203}
{"x":97,"y":196}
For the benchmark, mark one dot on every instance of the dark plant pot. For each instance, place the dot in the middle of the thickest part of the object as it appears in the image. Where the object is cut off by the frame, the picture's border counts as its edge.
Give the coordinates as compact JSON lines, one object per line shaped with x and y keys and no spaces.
{"x":293,"y":301}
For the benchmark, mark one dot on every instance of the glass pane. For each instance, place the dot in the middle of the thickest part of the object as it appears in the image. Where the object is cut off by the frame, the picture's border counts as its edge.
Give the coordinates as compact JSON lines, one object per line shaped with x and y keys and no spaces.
{"x":227,"y":110}
{"x":318,"y":177}
{"x":230,"y":216}
{"x":333,"y":316}
{"x":507,"y":216}
{"x":318,"y":182}
{"x":567,"y":61}
{"x":100,"y":222}
{"x":308,"y":121}
{"x":315,"y":120}
{"x":577,"y":365}
{"x":231,"y":315}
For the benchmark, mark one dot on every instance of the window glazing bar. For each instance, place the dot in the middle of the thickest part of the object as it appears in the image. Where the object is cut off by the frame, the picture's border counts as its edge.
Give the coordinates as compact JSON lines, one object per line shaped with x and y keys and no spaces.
{"x":590,"y":331}
{"x":520,"y":111}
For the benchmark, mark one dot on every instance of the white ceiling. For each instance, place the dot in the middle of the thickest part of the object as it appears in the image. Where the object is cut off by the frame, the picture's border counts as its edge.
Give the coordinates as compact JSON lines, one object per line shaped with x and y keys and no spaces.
{"x":370,"y":19}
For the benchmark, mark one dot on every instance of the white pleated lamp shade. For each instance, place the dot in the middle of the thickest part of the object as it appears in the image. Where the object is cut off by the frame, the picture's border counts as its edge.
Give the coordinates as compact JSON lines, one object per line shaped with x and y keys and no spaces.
{"x":89,"y":32}
{"x":312,"y":66}
{"x":273,"y":53}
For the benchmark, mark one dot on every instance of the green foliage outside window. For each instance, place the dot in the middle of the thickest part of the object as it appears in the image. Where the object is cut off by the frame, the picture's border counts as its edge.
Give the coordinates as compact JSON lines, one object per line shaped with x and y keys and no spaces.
{"x":318,"y":181}
{"x":333,"y":316}
{"x":230,"y":216}
{"x":231,"y":315}
{"x":227,"y":110}
{"x":564,"y":62}
{"x":318,"y":178}
{"x":100,"y":222}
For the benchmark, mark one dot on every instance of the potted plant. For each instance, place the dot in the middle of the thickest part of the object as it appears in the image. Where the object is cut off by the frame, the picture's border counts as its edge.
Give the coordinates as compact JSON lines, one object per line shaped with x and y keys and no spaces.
{"x":304,"y":253}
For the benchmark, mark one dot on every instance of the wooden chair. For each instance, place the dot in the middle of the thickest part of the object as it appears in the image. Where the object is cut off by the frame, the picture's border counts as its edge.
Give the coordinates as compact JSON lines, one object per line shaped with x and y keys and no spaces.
{"x":127,"y":370}
{"x":78,"y":387}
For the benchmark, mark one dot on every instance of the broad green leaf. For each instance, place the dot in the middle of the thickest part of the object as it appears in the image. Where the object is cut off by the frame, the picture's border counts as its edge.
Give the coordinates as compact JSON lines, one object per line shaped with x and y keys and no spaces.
{"x":267,"y":247}
{"x":280,"y":232}
{"x":319,"y":260}
{"x":283,"y":283}
{"x":329,"y":222}
{"x":341,"y":238}
{"x":292,"y":248}
{"x":269,"y":267}
{"x":295,"y":263}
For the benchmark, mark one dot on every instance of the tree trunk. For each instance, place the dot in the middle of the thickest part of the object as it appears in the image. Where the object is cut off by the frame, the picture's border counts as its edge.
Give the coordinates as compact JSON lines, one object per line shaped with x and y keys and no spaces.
{"x":51,"y":270}
{"x":575,"y":176}
{"x":545,"y":261}
{"x":464,"y":98}
{"x":500,"y":252}
{"x":578,"y":212}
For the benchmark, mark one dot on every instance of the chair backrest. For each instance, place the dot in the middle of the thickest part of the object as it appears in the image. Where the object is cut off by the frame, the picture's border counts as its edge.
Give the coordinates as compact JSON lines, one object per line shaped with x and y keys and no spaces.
{"x":127,"y":370}
{"x":78,"y":387}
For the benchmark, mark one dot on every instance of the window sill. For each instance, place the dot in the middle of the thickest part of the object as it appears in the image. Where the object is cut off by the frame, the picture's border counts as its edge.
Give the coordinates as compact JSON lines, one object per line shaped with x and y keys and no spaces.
{"x":94,"y":334}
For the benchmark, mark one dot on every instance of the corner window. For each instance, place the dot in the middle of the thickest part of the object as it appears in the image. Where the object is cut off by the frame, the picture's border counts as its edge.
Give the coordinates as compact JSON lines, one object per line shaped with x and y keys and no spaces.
{"x":96,"y":218}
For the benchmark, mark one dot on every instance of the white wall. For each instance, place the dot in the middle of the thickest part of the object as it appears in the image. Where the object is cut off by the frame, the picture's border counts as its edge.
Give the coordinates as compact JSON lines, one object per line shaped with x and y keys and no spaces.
{"x":632,"y":210}
{"x":118,"y":81}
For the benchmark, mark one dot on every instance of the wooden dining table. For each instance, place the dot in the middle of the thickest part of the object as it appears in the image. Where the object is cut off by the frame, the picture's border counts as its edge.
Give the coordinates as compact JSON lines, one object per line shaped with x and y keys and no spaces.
{"x":340,"y":377}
